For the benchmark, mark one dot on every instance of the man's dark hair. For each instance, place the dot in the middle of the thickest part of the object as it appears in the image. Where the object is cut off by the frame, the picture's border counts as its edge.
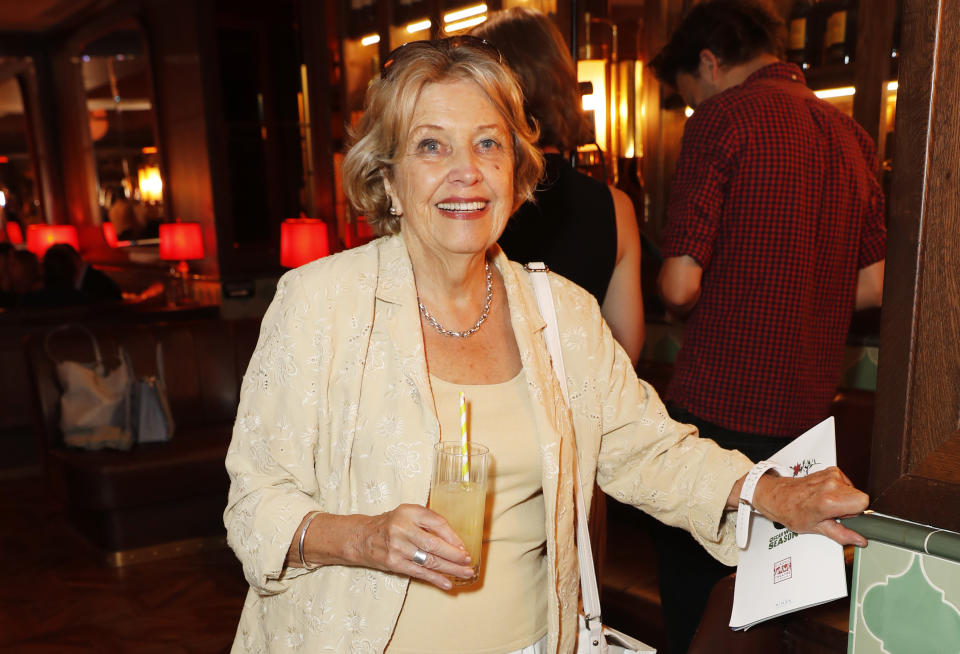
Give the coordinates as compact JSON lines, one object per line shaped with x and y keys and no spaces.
{"x":735,"y":31}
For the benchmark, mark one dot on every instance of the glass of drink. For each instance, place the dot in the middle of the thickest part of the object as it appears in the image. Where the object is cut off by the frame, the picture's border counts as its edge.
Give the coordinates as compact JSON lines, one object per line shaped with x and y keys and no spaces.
{"x":459,"y":493}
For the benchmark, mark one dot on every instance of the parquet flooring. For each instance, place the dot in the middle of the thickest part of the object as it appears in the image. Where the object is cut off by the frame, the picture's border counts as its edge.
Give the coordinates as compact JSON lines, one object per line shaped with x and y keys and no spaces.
{"x":56,"y":597}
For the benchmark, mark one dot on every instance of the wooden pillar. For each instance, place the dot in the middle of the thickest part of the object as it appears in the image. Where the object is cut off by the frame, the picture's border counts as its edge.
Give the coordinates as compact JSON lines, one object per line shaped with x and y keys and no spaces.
{"x":874,"y":40}
{"x":319,"y":24}
{"x":915,"y":462}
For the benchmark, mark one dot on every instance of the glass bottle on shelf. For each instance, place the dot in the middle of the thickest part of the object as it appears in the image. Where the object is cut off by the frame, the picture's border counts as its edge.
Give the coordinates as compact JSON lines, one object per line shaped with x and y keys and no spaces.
{"x":799,"y":32}
{"x":361,"y":17}
{"x":840,"y":33}
{"x":897,"y":26}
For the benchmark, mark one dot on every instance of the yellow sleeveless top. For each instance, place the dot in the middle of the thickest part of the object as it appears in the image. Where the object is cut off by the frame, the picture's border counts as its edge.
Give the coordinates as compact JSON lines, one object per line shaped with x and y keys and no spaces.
{"x":507,"y":608}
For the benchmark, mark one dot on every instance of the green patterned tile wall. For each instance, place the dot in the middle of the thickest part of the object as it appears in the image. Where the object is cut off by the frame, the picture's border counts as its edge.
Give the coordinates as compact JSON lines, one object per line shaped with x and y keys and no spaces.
{"x":904,"y":602}
{"x":905,"y":593}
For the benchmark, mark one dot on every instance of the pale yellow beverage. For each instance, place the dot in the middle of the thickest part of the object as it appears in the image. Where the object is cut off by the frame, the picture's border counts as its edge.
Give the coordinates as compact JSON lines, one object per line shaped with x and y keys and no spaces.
{"x":463,"y":504}
{"x":458,"y":492}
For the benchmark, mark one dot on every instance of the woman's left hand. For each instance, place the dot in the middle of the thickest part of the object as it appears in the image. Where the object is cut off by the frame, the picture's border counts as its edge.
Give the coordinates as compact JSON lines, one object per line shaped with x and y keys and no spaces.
{"x":812,"y":504}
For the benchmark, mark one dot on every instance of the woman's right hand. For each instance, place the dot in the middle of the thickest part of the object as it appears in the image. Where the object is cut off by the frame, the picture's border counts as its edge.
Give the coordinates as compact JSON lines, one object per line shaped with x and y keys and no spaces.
{"x":388,"y":542}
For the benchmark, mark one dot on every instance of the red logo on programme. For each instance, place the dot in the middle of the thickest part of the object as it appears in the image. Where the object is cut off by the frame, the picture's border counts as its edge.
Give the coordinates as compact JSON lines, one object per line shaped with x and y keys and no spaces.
{"x":782,"y":570}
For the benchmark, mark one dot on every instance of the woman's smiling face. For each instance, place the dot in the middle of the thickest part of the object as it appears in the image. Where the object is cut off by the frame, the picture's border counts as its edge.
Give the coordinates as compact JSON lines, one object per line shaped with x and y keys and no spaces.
{"x":453,"y":180}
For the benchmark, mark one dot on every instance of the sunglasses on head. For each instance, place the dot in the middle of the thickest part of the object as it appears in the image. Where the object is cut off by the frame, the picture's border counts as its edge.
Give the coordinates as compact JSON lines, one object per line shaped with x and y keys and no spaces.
{"x":443,"y":45}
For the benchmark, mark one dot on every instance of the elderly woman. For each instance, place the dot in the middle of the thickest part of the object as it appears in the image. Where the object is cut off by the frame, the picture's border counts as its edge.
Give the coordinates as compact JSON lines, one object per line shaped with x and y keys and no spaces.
{"x":355,"y":378}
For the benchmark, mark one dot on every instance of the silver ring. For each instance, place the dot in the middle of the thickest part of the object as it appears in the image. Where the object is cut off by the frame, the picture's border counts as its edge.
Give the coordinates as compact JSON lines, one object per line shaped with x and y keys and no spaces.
{"x":419,"y":557}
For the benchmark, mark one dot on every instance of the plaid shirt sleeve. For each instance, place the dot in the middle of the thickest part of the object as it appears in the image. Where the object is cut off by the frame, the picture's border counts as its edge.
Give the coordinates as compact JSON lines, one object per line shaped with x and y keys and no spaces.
{"x":698,"y":187}
{"x":873,"y":232}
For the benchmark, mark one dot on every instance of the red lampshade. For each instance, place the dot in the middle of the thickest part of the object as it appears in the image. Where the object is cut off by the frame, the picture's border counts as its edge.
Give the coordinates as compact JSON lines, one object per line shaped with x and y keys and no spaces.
{"x":359,"y":233}
{"x":14,"y":233}
{"x":110,"y":234}
{"x":302,"y":240}
{"x":364,"y":230}
{"x":181,"y":241}
{"x":41,"y":237}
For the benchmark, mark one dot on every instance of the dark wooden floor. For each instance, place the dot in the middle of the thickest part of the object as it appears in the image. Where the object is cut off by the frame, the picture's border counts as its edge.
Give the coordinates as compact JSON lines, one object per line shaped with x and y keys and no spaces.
{"x":55,"y":597}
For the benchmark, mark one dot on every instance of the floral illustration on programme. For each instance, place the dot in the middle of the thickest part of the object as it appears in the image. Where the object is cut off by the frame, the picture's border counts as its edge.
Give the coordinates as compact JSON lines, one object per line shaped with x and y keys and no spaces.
{"x":801,"y":469}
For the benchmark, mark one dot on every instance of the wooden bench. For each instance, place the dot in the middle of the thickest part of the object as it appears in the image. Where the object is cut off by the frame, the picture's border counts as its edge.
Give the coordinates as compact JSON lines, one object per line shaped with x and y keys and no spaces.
{"x":128,"y":502}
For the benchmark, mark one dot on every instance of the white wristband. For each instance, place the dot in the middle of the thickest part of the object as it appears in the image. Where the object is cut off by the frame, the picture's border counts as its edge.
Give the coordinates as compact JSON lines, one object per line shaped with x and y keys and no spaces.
{"x":746,"y":499}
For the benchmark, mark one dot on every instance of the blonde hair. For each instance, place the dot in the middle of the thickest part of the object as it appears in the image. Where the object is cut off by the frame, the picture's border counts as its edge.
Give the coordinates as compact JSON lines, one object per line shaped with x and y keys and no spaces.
{"x":388,"y":111}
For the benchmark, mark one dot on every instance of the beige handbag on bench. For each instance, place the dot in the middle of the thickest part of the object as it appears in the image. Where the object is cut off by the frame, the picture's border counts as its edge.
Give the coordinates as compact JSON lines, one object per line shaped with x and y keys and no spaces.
{"x":95,"y":403}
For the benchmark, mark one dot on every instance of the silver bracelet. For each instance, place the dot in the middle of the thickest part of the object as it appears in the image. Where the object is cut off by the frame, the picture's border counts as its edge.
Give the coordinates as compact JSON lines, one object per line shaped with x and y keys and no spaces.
{"x":303,"y":533}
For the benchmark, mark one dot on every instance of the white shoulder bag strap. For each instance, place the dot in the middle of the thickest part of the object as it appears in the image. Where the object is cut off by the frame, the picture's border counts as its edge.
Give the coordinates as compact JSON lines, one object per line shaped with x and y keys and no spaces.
{"x":588,"y":576}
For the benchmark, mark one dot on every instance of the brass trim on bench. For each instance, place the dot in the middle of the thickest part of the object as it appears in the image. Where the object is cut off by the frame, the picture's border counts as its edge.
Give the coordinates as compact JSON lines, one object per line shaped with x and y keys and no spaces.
{"x":123,"y":558}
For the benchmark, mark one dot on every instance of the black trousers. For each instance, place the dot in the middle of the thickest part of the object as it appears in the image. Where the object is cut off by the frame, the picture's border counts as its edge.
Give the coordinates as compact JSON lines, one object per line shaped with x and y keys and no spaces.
{"x":686,"y":573}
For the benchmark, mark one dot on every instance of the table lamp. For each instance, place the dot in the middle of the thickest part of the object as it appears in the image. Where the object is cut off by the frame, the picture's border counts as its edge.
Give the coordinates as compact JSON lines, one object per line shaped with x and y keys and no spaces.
{"x":14,"y":233}
{"x":109,"y":232}
{"x":302,"y":240}
{"x":41,"y":237}
{"x":181,"y":242}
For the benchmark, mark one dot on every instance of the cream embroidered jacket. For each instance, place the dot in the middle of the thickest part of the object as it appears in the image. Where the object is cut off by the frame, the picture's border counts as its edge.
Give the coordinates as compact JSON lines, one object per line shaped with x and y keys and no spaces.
{"x":336,"y":414}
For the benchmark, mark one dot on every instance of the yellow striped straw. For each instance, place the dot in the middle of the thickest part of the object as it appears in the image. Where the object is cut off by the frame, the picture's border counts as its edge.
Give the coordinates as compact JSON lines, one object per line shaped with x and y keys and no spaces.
{"x":464,"y":447}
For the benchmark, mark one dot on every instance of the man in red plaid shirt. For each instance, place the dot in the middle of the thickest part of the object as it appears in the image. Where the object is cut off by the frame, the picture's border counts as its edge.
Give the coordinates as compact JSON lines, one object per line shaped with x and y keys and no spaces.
{"x":775,"y":235}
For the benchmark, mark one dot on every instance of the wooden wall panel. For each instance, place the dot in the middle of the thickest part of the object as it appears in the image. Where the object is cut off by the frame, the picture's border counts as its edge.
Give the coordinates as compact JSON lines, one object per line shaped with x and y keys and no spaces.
{"x":916,"y":449}
{"x":174,"y":38}
{"x":874,"y":40}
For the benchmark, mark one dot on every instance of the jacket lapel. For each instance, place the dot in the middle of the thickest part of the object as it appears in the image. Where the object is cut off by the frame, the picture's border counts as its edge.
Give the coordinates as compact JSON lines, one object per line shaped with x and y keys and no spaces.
{"x":554,"y":430}
{"x":397,"y":298}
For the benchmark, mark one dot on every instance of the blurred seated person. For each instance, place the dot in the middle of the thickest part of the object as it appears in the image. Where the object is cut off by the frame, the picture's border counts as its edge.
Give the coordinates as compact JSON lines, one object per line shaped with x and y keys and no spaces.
{"x":24,"y":271}
{"x":7,"y":297}
{"x":123,"y":215}
{"x":22,"y":277}
{"x":69,"y":280}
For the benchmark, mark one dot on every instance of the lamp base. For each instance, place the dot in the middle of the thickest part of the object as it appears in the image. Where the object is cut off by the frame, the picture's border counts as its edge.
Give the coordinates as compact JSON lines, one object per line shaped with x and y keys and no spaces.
{"x":180,"y":291}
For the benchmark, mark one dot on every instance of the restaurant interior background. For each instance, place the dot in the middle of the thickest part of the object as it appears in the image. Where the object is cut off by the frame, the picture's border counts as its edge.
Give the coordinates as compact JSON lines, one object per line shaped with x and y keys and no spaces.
{"x":191,"y":150}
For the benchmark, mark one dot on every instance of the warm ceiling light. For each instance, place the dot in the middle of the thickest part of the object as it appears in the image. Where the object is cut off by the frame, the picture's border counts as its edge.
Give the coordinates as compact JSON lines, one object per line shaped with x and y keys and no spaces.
{"x":892,"y":86}
{"x":595,"y":72}
{"x":419,"y":26}
{"x":688,"y":111}
{"x":464,"y":24}
{"x":149,"y":149}
{"x":840,"y":92}
{"x":466,"y":12}
{"x":150,"y":183}
{"x":370,"y":39}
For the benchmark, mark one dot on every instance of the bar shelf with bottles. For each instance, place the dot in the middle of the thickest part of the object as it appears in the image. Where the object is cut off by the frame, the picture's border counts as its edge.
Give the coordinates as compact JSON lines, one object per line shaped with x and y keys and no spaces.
{"x":822,"y":40}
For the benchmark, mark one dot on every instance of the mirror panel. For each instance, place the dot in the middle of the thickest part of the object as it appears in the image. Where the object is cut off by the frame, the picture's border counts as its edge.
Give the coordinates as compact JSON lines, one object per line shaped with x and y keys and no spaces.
{"x":19,"y":187}
{"x":119,"y":99}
